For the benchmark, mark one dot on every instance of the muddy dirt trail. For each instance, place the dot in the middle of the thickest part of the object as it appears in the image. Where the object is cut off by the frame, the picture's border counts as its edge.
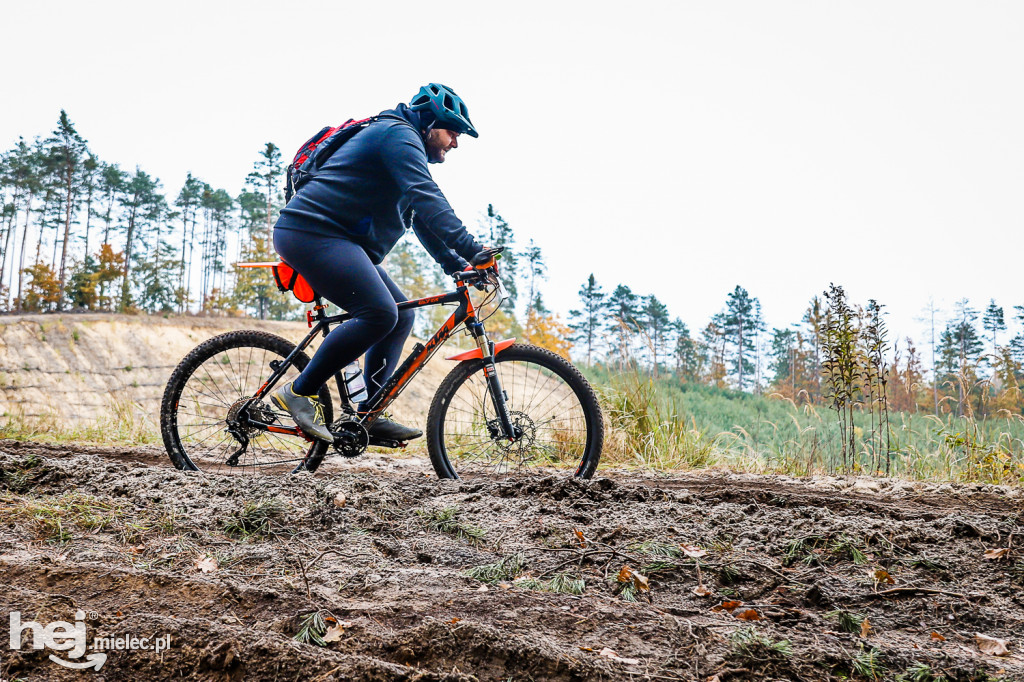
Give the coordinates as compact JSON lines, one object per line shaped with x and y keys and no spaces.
{"x":703,"y":576}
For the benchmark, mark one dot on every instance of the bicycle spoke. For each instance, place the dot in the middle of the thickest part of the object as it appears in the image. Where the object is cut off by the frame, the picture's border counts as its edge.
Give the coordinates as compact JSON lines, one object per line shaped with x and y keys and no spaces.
{"x":539,"y":402}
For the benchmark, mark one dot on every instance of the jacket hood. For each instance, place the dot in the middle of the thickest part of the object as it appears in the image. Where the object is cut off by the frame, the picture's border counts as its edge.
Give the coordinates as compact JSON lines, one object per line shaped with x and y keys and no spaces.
{"x":419,"y":120}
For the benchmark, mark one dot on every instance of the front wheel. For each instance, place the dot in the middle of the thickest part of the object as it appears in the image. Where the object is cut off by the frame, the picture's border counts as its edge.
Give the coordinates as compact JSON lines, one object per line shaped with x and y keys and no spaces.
{"x":555,"y":412}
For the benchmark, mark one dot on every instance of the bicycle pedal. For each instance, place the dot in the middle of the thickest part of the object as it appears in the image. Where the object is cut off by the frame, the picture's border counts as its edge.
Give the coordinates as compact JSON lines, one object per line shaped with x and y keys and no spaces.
{"x":384,"y":443}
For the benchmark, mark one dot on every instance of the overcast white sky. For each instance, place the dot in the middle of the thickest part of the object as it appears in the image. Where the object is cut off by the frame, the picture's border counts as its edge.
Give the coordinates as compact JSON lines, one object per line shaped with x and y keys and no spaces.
{"x":677,"y":147}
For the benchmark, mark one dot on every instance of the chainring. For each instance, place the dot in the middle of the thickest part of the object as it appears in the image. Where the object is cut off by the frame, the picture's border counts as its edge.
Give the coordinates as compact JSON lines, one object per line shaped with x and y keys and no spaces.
{"x":350,"y":438}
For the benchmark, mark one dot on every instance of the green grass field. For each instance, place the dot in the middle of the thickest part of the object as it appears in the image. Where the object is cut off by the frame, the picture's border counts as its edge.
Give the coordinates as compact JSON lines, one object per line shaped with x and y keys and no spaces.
{"x":668,"y":424}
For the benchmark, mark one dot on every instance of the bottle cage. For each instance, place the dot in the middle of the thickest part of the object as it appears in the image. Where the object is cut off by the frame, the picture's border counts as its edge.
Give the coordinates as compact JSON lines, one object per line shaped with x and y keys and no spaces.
{"x":287,"y":279}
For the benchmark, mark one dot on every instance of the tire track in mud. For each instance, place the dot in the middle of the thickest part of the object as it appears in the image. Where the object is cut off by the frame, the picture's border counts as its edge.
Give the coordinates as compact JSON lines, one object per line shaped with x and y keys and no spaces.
{"x":795,"y":552}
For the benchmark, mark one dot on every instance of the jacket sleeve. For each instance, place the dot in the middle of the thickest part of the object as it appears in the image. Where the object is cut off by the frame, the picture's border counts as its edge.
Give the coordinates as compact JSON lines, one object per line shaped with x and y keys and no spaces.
{"x":449,"y":261}
{"x":405,"y":159}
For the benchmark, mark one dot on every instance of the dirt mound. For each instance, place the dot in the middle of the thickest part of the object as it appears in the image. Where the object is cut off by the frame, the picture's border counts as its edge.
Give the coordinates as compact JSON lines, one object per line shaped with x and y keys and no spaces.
{"x":77,"y":369}
{"x":384,"y":572}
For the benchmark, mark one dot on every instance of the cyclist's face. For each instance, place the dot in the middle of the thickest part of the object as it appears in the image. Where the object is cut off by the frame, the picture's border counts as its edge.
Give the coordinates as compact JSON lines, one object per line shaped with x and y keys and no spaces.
{"x":439,"y":141}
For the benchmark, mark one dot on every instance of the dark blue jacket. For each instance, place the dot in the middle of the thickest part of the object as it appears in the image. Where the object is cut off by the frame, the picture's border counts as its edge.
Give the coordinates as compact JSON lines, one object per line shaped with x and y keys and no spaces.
{"x":368,"y":189}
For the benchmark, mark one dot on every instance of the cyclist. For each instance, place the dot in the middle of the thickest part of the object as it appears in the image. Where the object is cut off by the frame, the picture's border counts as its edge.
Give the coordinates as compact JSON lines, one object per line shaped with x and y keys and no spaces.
{"x":339,"y":226}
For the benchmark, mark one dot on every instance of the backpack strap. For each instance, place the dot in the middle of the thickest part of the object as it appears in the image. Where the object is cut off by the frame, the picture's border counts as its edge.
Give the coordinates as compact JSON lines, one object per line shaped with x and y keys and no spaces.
{"x":312,"y":155}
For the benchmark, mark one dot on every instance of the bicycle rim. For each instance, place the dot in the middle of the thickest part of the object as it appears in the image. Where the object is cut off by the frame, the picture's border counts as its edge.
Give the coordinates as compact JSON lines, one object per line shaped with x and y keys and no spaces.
{"x":214,"y":386}
{"x":546,"y":398}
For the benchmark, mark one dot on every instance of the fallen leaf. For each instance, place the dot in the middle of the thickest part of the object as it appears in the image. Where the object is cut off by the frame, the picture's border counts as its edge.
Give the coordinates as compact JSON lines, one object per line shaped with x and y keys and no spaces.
{"x":749,"y":614}
{"x":640,"y":582}
{"x":334,"y":633}
{"x":936,"y":637}
{"x":702,"y":591}
{"x":339,"y":500}
{"x":207,"y":564}
{"x":483,"y":588}
{"x":579,"y":536}
{"x":453,"y":621}
{"x":608,"y":653}
{"x":692,"y":551}
{"x":997,"y":554}
{"x":625,"y":575}
{"x":991,"y":645}
{"x":714,"y":678}
{"x":865,"y":628}
{"x":881,"y":576}
{"x":730,"y":605}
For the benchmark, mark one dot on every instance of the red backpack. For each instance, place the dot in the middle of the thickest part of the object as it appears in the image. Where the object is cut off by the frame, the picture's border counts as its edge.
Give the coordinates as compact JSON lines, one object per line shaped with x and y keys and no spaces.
{"x":316,"y":150}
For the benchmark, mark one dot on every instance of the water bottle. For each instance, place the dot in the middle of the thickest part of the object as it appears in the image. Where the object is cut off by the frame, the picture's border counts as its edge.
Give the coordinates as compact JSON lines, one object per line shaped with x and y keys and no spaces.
{"x":354,"y":382}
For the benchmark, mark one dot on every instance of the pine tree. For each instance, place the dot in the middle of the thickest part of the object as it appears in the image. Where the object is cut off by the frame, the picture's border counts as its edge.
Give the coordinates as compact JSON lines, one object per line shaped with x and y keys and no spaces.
{"x":994,"y":322}
{"x":739,"y":324}
{"x":266,"y":174}
{"x":90,"y":172}
{"x":959,"y":349}
{"x":188,"y":204}
{"x":587,"y":321}
{"x":154,"y":277}
{"x":658,"y":323}
{"x":783,"y":360}
{"x":68,"y":150}
{"x":714,"y":342}
{"x":687,"y":353}
{"x":143,"y":204}
{"x":536,"y":270}
{"x":33,"y":165}
{"x":217,"y":207}
{"x":19,"y":179}
{"x":113,"y":183}
{"x":496,"y":232}
{"x":1017,"y":343}
{"x":623,"y":307}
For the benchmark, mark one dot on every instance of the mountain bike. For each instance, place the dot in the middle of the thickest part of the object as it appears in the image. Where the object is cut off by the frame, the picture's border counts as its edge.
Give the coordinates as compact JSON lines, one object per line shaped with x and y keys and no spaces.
{"x":504,"y":407}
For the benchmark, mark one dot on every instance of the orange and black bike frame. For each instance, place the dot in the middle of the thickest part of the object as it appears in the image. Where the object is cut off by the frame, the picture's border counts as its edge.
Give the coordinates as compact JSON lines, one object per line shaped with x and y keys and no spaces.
{"x":466,"y":314}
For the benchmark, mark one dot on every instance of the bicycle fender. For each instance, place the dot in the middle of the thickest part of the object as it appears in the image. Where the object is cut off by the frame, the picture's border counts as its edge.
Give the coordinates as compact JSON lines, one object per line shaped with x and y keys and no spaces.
{"x":478,"y":354}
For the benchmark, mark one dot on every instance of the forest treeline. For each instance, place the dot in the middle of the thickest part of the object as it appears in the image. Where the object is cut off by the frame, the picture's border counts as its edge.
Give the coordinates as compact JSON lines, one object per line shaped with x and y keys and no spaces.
{"x":839,"y":353}
{"x":77,"y":232}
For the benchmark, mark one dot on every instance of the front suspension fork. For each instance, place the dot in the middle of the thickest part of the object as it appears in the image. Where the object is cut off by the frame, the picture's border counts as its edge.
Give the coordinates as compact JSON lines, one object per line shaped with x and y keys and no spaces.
{"x":493,"y":382}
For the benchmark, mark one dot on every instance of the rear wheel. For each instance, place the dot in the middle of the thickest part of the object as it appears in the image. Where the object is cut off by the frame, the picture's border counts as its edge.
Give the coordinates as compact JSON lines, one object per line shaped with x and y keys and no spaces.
{"x":206,"y":394}
{"x":548,"y":400}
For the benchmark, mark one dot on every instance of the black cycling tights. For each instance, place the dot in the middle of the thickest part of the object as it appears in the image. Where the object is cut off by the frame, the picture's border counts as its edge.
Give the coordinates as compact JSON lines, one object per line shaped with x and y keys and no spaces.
{"x":340,"y":271}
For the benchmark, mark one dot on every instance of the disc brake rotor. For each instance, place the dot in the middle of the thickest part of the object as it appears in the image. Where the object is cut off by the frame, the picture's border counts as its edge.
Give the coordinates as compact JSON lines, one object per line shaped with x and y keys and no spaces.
{"x":525,"y":428}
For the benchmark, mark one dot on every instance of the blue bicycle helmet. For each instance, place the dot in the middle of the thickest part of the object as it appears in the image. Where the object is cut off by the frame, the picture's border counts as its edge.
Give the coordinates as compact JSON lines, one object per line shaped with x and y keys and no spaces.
{"x":448,"y":109}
